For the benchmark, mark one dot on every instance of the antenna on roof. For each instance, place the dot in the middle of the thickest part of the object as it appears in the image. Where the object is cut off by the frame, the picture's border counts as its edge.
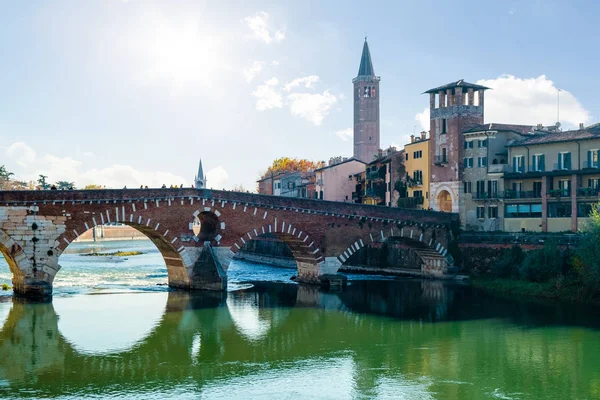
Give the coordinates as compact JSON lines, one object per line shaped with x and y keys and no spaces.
{"x":558,"y":106}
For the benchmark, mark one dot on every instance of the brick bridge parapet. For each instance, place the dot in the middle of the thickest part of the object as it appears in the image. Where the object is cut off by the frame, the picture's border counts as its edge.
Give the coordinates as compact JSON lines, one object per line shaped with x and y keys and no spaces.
{"x":198,"y":231}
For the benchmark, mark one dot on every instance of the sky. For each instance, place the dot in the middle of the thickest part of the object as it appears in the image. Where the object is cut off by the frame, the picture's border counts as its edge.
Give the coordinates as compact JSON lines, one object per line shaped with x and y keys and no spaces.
{"x":131,"y":92}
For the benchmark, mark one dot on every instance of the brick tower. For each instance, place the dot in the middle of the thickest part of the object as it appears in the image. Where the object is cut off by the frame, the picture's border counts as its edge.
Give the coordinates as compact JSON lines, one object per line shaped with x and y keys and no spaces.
{"x":366,"y":109}
{"x":453,"y":108}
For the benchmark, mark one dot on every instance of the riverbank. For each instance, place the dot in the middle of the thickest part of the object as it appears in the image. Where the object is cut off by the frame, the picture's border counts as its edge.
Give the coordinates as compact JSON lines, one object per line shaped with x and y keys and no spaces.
{"x":562,"y":290}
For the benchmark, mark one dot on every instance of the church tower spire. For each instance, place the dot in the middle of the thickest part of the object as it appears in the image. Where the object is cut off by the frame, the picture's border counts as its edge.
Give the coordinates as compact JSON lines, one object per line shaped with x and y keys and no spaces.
{"x":200,"y":179}
{"x":366,"y":108}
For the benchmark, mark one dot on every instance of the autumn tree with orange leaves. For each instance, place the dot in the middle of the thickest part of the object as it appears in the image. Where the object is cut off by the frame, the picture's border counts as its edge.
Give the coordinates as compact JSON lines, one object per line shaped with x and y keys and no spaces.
{"x":286,"y":164}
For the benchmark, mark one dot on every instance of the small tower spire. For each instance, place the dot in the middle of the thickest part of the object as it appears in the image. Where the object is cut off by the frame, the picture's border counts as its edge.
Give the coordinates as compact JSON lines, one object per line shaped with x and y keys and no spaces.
{"x":366,"y":65}
{"x":200,"y":178}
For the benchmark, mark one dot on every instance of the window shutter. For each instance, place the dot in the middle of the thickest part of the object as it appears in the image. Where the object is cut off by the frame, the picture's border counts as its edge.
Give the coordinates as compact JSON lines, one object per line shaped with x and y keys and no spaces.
{"x":542,"y":166}
{"x":589,"y":163}
{"x":568,"y":161}
{"x":560,"y":160}
{"x":534,"y":163}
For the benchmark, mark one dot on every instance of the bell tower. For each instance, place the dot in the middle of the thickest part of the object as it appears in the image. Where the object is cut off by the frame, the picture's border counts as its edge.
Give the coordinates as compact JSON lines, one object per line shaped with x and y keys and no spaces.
{"x":366,"y":109}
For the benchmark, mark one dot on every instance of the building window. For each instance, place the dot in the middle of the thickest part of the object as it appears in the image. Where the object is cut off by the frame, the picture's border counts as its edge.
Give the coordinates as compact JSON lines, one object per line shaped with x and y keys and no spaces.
{"x":537,"y":189}
{"x":406,"y":156}
{"x":480,"y":212}
{"x":418,"y":176}
{"x":444,"y":155}
{"x":418,"y":154}
{"x":594,"y":183}
{"x":480,"y":189}
{"x":482,"y":143}
{"x":564,"y":161}
{"x":593,"y":159}
{"x":585,"y":209}
{"x":564,"y":185}
{"x":493,"y":212}
{"x":538,"y":162}
{"x":523,"y":211}
{"x":469,"y":162}
{"x":444,"y":126}
{"x":518,"y":164}
{"x":559,"y":210}
{"x":418,"y":193}
{"x":467,"y":187}
{"x":493,"y":189}
{"x":482,"y":162}
{"x":469,"y":144}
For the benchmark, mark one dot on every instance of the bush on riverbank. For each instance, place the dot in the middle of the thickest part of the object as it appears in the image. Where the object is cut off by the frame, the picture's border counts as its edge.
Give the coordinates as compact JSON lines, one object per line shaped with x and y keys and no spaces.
{"x":552,"y":271}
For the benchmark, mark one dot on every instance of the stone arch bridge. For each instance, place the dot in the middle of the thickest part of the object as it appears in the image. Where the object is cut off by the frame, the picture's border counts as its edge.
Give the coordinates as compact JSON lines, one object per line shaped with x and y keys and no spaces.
{"x":198,"y":231}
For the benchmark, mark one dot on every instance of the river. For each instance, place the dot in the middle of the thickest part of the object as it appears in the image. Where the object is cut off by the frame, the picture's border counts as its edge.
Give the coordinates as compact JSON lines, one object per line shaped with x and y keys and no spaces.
{"x":111,"y":331}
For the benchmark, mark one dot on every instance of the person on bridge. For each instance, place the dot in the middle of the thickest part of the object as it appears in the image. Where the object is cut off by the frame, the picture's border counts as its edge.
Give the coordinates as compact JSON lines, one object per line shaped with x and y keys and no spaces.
{"x":163,"y":186}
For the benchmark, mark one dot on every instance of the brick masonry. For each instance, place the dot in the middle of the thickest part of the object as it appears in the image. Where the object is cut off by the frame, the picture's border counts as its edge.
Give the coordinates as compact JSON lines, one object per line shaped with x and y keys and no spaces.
{"x":37,"y":226}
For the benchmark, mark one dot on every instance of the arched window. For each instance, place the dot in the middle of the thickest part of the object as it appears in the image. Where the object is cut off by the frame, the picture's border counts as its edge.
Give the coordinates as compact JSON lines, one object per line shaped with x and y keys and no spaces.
{"x":495,"y":161}
{"x":372,"y":92}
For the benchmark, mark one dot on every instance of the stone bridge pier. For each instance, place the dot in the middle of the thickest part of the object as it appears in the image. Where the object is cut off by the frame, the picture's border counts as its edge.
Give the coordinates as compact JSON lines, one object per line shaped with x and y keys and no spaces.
{"x":198,"y":232}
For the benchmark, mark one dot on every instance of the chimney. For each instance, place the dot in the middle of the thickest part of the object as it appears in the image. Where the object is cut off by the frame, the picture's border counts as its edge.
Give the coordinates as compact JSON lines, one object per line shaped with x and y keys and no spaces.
{"x":412,"y":138}
{"x":540,"y":126}
{"x":423,"y":135}
{"x":581,"y":125}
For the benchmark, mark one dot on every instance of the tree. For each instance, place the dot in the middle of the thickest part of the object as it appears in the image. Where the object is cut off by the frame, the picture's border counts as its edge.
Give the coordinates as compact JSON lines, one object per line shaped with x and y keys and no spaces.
{"x":64,"y":185}
{"x":44,"y":185}
{"x":239,"y":188}
{"x":589,"y":251}
{"x":286,"y":164}
{"x":5,"y":176}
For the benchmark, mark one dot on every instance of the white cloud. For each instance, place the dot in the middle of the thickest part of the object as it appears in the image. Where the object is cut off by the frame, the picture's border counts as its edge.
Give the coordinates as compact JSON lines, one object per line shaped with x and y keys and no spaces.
{"x":345,"y":134}
{"x":312,"y":107}
{"x":21,"y":153}
{"x":307,"y":81}
{"x":258,"y":25}
{"x":525,"y":101}
{"x":217,"y":177}
{"x":530,"y":101}
{"x":275,"y":63}
{"x":71,"y":170}
{"x":253,"y":70}
{"x":267,"y":96}
{"x":423,"y":118}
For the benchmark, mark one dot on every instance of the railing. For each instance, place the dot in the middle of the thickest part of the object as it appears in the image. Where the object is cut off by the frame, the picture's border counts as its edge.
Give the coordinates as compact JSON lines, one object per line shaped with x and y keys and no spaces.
{"x":559,"y":192}
{"x":485,"y":195}
{"x":561,"y":167}
{"x":591,"y":165}
{"x":438,"y":160}
{"x":410,"y":202}
{"x":518,"y":170}
{"x":492,"y":168}
{"x":537,"y":168}
{"x":595,"y":192}
{"x":372,"y":193}
{"x":375,"y":175}
{"x":522,"y":194}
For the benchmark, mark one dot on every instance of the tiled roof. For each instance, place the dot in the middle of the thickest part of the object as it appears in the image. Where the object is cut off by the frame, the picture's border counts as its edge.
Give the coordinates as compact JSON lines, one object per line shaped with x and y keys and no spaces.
{"x":366,"y":65}
{"x":591,"y":132}
{"x":524,"y":129}
{"x":460,"y":83}
{"x":340,"y":163}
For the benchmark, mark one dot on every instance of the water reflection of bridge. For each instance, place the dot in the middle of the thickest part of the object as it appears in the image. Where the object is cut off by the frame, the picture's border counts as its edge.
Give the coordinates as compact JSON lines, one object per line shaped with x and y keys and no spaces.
{"x":203,"y":337}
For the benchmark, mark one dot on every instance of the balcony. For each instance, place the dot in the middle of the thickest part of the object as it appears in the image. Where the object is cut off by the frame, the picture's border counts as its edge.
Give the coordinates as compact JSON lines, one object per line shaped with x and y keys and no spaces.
{"x":440,"y":160}
{"x":588,"y":192}
{"x":486,"y":196}
{"x":410,"y":202}
{"x":497,"y":168}
{"x":522,"y":194}
{"x":377,"y":175}
{"x":561,"y":167}
{"x":559,"y":192}
{"x":373,"y":193}
{"x":591,"y":165}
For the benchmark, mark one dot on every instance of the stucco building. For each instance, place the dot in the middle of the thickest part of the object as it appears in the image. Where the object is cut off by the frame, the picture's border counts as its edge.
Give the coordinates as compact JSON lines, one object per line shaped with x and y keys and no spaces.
{"x":552,"y":180}
{"x":417,"y":166}
{"x":336,"y":182}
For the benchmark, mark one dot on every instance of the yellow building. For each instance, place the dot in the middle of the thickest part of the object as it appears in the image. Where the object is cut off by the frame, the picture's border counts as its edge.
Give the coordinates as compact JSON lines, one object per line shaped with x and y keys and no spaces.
{"x":416,"y":163}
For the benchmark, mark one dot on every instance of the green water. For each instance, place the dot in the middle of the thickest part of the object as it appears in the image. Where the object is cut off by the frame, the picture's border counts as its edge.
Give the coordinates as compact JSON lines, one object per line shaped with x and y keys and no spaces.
{"x":404,"y":339}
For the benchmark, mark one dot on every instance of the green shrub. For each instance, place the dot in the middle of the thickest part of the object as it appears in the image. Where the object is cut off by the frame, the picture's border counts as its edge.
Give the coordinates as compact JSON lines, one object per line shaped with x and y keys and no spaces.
{"x":5,"y":286}
{"x":508,"y":265}
{"x":543,"y":264}
{"x":589,"y":252}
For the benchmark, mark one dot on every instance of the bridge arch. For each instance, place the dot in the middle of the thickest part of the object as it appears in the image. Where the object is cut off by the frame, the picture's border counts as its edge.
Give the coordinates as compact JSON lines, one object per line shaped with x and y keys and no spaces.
{"x":175,"y":259}
{"x":430,"y":251}
{"x":18,"y":263}
{"x":303,"y":246}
